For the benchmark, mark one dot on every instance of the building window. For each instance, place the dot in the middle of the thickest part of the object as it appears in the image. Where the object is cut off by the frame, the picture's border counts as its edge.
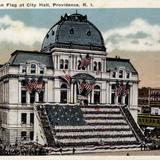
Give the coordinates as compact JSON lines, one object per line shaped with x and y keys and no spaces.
{"x":79,"y":65}
{"x":23,"y":135}
{"x":23,"y":83}
{"x":95,"y":66}
{"x":127,"y":100}
{"x":23,"y":96}
{"x":71,"y":31}
{"x":96,"y":94}
{"x":89,"y":33}
{"x":99,"y":66}
{"x":31,"y":118}
{"x":31,"y":135}
{"x":33,"y":68}
{"x":113,"y":86}
{"x":120,"y":99}
{"x":52,"y":32}
{"x":120,"y":74}
{"x":127,"y":76}
{"x":66,"y":64}
{"x":24,"y":70}
{"x":41,"y":94}
{"x":41,"y":70}
{"x":61,"y":64}
{"x":24,"y":118}
{"x":32,"y":97}
{"x":114,"y":74}
{"x":63,"y":97}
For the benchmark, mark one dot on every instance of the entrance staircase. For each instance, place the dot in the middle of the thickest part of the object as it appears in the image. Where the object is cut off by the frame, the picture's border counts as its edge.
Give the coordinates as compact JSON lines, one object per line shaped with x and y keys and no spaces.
{"x":90,"y":126}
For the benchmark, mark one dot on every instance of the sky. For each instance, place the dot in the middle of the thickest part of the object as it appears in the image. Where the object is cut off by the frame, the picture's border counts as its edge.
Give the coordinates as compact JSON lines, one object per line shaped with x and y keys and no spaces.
{"x":129,"y":33}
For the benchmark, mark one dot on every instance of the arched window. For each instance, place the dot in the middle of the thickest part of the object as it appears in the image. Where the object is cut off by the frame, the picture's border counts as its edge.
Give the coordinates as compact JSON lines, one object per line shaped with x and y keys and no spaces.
{"x":89,"y":33}
{"x":41,"y":95}
{"x":52,"y":32}
{"x":120,"y":74}
{"x":63,"y":96}
{"x":127,"y":100}
{"x":113,"y":98}
{"x":71,"y":31}
{"x":99,"y":66}
{"x":61,"y":64}
{"x":95,"y":66}
{"x":120,"y":99}
{"x":32,"y":96}
{"x":66,"y":64}
{"x":79,"y":65}
{"x":97,"y":94}
{"x":33,"y":68}
{"x":23,"y":91}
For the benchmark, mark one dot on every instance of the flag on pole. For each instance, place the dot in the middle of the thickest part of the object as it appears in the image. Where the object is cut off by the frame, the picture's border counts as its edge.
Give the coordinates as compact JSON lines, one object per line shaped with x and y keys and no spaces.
{"x":85,"y":61}
{"x":121,"y":89}
{"x":39,"y":85}
{"x":85,"y":88}
{"x":67,"y":77}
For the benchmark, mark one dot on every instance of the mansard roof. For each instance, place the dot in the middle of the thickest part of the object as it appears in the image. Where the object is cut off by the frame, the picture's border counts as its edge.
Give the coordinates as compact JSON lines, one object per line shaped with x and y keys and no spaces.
{"x":19,"y":57}
{"x":116,"y":63}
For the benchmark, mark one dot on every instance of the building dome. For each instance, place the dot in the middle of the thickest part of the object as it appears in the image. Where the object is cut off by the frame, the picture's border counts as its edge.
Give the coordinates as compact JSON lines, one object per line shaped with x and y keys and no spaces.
{"x":75,"y":32}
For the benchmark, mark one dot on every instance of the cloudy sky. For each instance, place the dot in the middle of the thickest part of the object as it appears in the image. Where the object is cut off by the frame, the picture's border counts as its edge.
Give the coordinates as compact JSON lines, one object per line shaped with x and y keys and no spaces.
{"x":129,"y":33}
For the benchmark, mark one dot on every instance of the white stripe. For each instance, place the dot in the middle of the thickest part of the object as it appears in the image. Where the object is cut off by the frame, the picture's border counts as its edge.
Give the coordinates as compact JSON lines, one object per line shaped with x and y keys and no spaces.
{"x":110,"y":140}
{"x":93,"y":127}
{"x":106,"y":121}
{"x":101,"y":109}
{"x":103,"y":115}
{"x":94,"y":133}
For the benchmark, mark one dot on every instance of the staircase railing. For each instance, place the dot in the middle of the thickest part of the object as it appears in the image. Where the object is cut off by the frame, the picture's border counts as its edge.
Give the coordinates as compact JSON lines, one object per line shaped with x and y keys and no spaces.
{"x":51,"y":128}
{"x":132,"y":123}
{"x":44,"y":127}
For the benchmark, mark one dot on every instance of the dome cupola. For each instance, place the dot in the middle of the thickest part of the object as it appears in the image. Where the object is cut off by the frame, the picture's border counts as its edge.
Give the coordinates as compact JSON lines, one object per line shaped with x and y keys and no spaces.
{"x":75,"y":32}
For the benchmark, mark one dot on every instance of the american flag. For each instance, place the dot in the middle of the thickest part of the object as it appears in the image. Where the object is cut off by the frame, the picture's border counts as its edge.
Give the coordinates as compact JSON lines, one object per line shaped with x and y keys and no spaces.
{"x":34,"y":85}
{"x":30,"y":84}
{"x":67,"y":77}
{"x":121,"y":89}
{"x":85,"y":61}
{"x":87,"y":86}
{"x":39,"y":85}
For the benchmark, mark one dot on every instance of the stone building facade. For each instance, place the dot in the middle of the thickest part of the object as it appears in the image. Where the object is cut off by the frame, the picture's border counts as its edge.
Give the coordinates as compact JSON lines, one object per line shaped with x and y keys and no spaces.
{"x":59,"y":68}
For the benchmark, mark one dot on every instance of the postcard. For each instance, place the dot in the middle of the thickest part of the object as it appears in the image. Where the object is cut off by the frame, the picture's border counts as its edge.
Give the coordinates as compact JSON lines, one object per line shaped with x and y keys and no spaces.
{"x":79,"y":79}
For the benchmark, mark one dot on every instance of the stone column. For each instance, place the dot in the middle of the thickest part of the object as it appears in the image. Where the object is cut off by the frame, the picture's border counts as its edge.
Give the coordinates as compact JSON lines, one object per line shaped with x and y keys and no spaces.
{"x":36,"y":97}
{"x":28,"y":97}
{"x":92,"y":100}
{"x":92,"y":64}
{"x":55,"y":61}
{"x":75,"y":93}
{"x":70,"y":63}
{"x":19,"y":91}
{"x":45,"y":98}
{"x":123,"y":99}
{"x":116,"y":99}
{"x":109,"y":93}
{"x":131,"y":95}
{"x":71,"y":93}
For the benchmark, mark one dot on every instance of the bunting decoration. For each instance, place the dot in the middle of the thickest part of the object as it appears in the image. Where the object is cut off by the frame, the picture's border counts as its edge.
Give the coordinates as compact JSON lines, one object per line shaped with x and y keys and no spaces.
{"x":34,"y":84}
{"x":121,"y":89}
{"x":85,"y":61}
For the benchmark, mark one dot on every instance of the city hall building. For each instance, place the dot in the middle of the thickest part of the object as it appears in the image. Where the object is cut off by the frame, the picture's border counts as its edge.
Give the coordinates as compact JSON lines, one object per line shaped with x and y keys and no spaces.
{"x":71,"y":82}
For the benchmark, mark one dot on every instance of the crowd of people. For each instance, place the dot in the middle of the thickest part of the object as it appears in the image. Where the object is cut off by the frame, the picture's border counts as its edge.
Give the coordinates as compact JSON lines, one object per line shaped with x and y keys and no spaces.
{"x":23,"y":149}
